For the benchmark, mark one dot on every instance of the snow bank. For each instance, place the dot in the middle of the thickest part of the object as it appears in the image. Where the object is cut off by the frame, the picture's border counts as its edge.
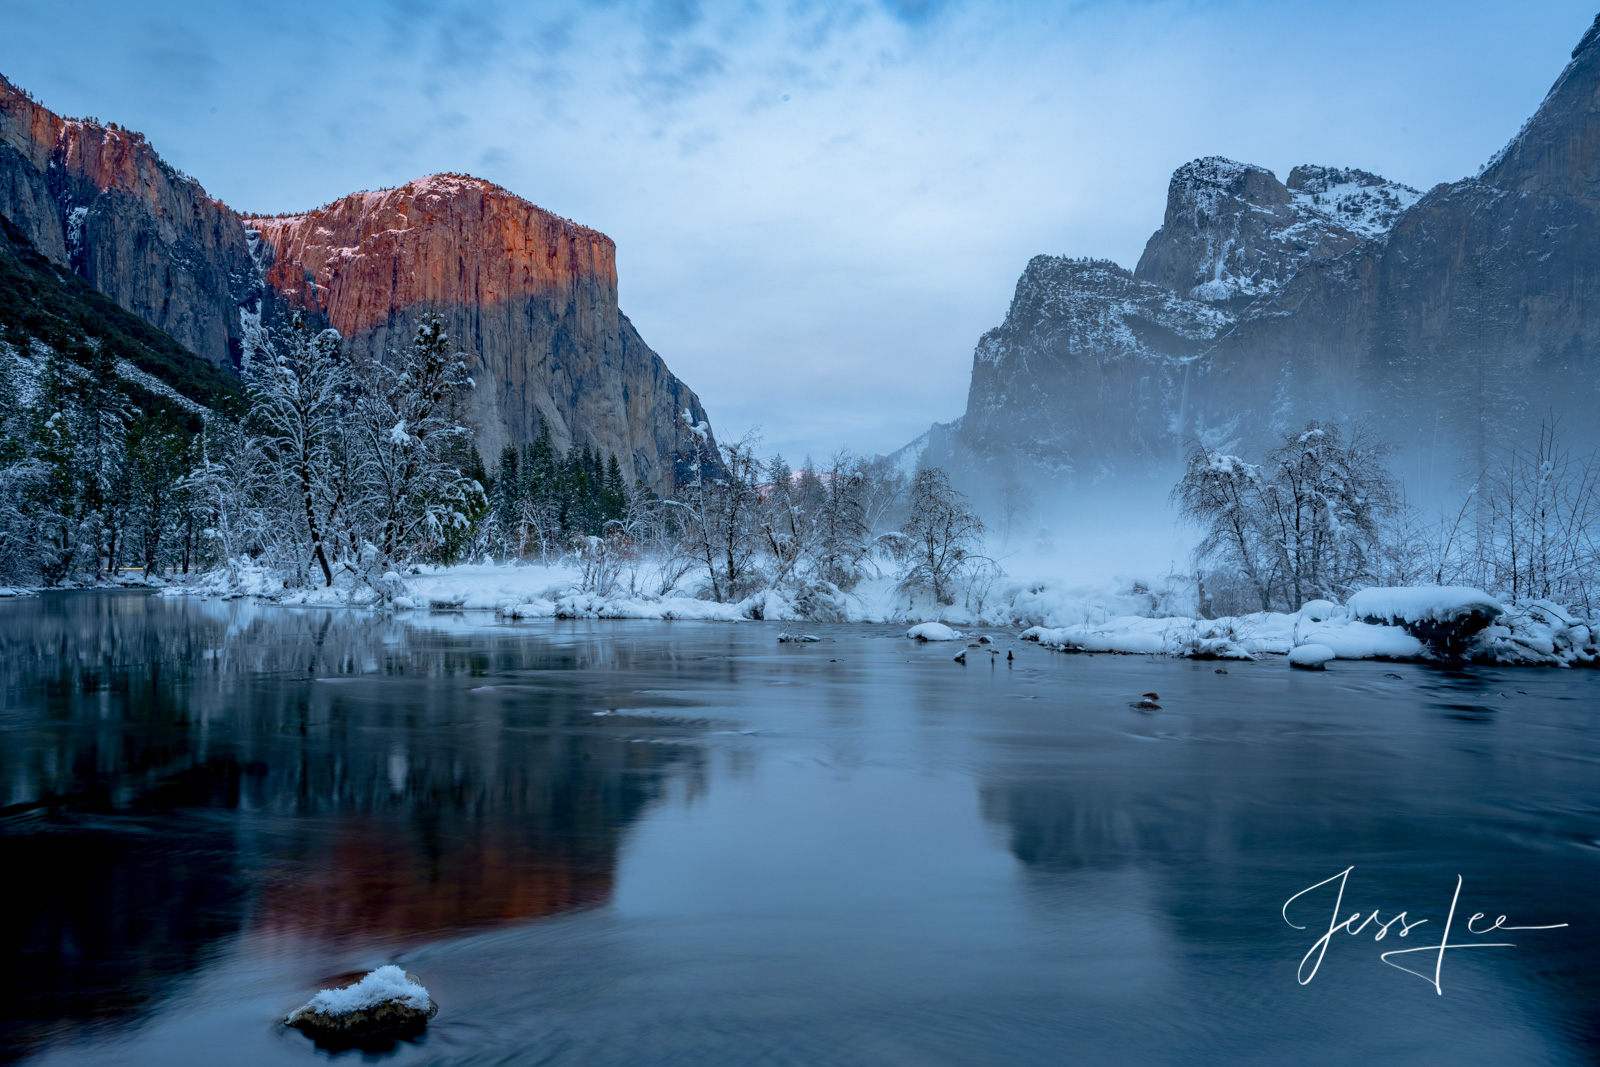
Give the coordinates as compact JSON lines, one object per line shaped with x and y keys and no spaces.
{"x":386,"y":985}
{"x":1136,"y":635}
{"x":1419,"y":604}
{"x":1538,"y":633}
{"x":1238,"y":637}
{"x":1124,"y":616}
{"x":517,"y":591}
{"x":1349,"y":639}
{"x":239,"y":578}
{"x":933,"y":631}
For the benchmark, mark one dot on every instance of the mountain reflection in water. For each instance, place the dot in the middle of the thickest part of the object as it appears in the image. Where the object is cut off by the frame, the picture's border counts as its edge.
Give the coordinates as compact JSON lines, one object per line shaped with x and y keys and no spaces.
{"x":675,"y":843}
{"x":176,"y":772}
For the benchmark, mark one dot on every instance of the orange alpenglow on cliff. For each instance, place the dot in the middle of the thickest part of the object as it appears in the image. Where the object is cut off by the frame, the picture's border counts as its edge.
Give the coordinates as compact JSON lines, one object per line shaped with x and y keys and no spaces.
{"x":530,"y":297}
{"x":531,"y":294}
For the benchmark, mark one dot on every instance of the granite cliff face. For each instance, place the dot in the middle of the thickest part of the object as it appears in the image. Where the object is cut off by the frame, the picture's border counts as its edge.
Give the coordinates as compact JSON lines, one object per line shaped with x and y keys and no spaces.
{"x":1449,"y":321}
{"x":1233,"y":232}
{"x":530,"y":297}
{"x":1097,"y":368}
{"x":97,"y":198}
{"x":1084,"y":340}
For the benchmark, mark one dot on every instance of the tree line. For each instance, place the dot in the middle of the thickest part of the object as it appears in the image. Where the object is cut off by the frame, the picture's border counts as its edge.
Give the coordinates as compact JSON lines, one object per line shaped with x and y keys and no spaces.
{"x":334,"y":467}
{"x":1321,"y":516}
{"x":91,"y":472}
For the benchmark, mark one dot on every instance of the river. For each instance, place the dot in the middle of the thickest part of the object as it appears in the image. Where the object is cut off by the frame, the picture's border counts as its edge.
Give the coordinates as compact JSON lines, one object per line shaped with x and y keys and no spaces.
{"x":602,"y":842}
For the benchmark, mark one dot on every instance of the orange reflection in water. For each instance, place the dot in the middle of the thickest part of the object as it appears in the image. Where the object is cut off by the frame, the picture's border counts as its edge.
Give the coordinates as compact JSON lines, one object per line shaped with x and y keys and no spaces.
{"x":373,"y":878}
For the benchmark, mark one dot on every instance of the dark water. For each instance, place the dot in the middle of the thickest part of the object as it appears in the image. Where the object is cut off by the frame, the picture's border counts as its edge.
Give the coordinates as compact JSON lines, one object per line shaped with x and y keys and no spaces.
{"x":645,"y":843}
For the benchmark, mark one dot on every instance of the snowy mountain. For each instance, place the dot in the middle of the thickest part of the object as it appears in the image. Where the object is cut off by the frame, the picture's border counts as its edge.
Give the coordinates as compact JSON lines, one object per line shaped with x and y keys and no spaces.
{"x":1085,"y":339}
{"x":1233,"y":232}
{"x":1450,"y":321}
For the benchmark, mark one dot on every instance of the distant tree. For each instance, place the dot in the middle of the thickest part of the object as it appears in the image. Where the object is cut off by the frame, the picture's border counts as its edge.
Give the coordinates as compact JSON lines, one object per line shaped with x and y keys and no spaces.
{"x":1221,"y":494}
{"x":1308,"y":523}
{"x":159,"y":457}
{"x":844,"y":533}
{"x":506,"y":498}
{"x":722,"y":511}
{"x":941,"y":534}
{"x":1016,"y":502}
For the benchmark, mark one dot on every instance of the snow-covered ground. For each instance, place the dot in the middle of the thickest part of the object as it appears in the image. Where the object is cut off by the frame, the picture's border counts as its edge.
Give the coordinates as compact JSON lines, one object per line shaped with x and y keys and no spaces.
{"x":1528,"y":633}
{"x":1115,"y":615}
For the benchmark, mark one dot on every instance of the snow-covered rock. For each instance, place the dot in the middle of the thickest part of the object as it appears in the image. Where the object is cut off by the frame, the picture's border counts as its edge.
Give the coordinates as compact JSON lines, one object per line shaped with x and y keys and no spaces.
{"x":1311,"y":657}
{"x":933,"y":631}
{"x":1537,"y":633}
{"x":1445,"y":617}
{"x":386,"y":1001}
{"x":1429,"y":603}
{"x":1136,"y":635}
{"x":1351,"y":639}
{"x":1319,"y":610}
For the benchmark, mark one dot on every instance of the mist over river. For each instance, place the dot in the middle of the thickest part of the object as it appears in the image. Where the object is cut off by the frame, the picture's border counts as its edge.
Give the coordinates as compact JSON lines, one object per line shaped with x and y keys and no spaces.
{"x":606,"y":842}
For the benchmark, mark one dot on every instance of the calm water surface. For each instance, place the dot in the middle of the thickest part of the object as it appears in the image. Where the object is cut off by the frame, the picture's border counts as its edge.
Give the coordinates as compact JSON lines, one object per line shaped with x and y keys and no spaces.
{"x":682,"y":843}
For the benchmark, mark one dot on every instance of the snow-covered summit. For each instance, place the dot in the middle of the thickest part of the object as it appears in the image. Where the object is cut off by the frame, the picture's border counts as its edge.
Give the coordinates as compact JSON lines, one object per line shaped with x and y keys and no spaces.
{"x":1359,"y":201}
{"x":1092,"y":306}
{"x":1233,"y":232}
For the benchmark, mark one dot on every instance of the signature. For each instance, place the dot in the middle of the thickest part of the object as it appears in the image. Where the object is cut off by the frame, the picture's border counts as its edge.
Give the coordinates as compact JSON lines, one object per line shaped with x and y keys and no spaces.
{"x":1402,"y":926}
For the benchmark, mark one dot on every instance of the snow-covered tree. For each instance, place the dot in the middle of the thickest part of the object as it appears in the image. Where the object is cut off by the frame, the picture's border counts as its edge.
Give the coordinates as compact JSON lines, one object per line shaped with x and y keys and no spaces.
{"x":720,"y":505}
{"x":406,"y":419}
{"x":1307,"y":523}
{"x":941,"y":534}
{"x":299,"y":388}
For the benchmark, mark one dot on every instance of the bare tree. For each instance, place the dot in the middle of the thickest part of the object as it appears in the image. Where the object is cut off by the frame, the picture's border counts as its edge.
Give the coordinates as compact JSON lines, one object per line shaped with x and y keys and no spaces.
{"x":1308,"y":523}
{"x":1221,"y":494}
{"x":722,"y":505}
{"x":1016,"y":502}
{"x":941,"y":534}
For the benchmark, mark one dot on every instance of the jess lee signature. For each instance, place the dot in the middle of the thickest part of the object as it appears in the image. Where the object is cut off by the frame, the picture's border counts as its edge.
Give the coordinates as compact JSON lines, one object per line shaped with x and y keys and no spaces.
{"x":1402,"y":926}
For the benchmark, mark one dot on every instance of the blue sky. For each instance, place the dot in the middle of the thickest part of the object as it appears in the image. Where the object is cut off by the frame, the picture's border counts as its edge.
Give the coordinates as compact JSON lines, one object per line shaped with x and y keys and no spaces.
{"x":818,"y":207}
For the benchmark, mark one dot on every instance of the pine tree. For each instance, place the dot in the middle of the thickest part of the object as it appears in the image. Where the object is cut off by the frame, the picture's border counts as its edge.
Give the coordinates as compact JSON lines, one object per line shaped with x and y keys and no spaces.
{"x":508,"y":490}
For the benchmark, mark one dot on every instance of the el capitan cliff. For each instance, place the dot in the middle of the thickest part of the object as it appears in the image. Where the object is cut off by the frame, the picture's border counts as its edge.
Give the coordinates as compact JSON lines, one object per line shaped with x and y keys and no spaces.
{"x":529,"y":296}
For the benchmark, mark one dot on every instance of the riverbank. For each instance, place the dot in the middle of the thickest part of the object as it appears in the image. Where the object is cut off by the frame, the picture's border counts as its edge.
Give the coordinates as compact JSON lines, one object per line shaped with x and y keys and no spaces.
{"x":1129,"y":616}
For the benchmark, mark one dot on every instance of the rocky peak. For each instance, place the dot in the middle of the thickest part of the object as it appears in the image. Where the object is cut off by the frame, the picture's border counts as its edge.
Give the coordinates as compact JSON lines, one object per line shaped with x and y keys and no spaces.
{"x":1557,"y":151}
{"x":1233,"y":232}
{"x":1084,"y":344}
{"x":1357,"y":200}
{"x":98,"y":198}
{"x":455,"y":239}
{"x":529,"y":296}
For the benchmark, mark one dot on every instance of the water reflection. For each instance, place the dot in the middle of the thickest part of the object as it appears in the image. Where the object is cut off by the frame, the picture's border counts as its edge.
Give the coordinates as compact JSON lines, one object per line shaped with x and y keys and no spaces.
{"x":178,"y":772}
{"x":850,"y":852}
{"x":1228,"y":807}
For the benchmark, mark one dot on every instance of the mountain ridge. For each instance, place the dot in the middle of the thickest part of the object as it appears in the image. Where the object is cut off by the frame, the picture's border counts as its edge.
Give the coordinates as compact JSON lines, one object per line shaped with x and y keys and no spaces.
{"x":1448,"y":319}
{"x":530,"y":296}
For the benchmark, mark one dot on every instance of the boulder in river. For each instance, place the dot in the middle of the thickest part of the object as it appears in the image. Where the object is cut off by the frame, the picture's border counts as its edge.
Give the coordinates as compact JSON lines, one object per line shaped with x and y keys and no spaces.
{"x":933,"y":631}
{"x":1310,"y":657}
{"x":386,"y":1003}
